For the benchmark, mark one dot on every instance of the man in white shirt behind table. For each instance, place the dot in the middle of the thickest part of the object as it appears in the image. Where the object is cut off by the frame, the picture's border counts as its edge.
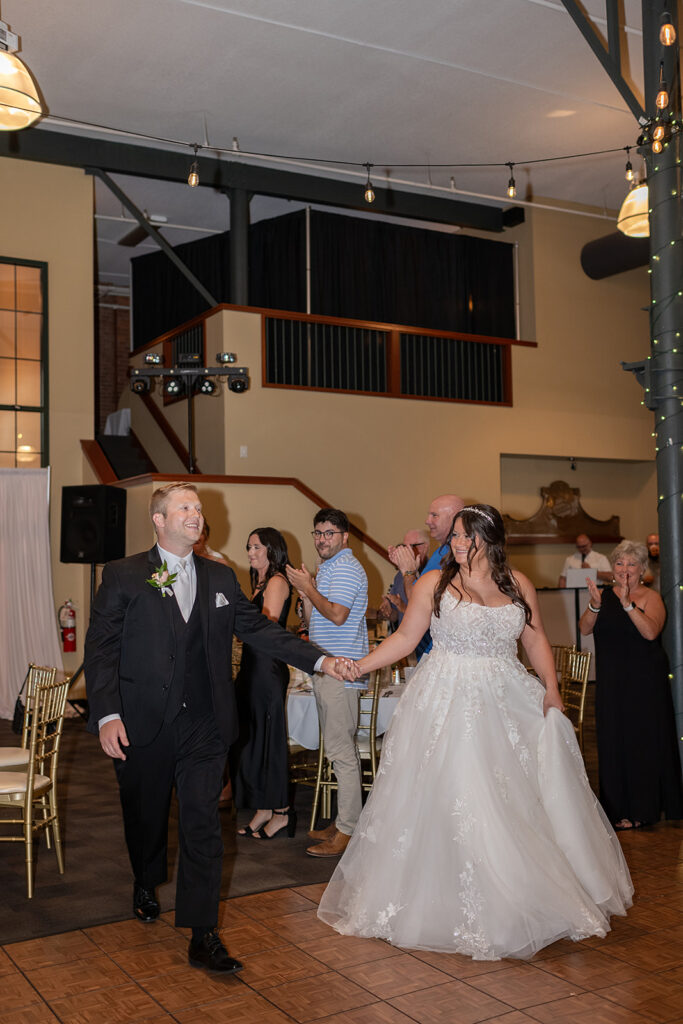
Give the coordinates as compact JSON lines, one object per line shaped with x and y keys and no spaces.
{"x":334,"y":607}
{"x":585,"y":558}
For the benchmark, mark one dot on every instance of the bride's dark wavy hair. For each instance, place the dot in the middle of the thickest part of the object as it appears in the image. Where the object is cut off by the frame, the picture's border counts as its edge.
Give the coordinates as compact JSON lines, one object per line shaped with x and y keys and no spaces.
{"x":484,"y":525}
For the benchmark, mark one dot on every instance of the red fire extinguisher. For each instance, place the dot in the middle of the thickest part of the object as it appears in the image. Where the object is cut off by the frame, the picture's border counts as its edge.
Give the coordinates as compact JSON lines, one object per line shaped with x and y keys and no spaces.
{"x":67,"y":622}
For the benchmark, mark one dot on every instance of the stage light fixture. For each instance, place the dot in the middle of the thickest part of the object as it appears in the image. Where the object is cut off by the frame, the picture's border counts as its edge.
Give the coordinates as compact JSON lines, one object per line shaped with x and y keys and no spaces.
{"x":154,"y":359}
{"x":140,"y":385}
{"x":206,"y":387}
{"x":226,"y":357}
{"x":238,"y":384}
{"x":174,"y":386}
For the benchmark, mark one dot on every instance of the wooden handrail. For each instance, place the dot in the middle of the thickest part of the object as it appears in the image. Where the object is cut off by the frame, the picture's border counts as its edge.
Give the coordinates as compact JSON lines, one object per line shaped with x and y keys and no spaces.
{"x":168,"y":431}
{"x":213,"y":478}
{"x":99,"y":462}
{"x":368,"y":325}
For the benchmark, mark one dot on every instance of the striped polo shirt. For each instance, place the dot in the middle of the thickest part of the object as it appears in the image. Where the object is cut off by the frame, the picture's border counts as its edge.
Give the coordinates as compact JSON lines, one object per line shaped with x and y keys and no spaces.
{"x":342,"y":579}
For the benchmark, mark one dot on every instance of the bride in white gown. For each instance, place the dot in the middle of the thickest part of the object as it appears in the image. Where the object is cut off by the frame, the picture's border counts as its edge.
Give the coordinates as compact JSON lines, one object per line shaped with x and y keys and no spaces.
{"x":481,"y":834}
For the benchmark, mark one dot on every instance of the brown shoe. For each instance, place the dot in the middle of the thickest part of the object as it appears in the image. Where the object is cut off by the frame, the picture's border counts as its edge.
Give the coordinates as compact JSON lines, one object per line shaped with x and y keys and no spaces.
{"x":323,"y":833}
{"x":333,"y":847}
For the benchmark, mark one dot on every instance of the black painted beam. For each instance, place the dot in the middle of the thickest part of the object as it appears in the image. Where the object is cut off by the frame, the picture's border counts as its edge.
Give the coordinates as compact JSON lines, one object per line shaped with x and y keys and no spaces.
{"x":609,"y":56}
{"x":146,"y":162}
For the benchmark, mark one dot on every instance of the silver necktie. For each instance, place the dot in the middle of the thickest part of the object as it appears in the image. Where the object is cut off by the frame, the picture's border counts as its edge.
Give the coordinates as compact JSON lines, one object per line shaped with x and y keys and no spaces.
{"x":182,"y":590}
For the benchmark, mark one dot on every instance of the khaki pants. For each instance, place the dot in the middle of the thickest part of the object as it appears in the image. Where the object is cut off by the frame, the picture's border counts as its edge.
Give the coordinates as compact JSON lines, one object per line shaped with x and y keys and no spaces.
{"x":338,"y":714}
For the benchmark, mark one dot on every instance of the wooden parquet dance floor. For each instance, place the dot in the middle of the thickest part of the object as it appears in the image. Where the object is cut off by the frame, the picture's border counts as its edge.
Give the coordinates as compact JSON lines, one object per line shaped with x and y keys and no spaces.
{"x":298,"y":969}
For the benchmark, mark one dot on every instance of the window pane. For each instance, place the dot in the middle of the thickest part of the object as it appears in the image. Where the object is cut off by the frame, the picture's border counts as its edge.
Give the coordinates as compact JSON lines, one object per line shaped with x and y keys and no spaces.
{"x":8,"y":391}
{"x":29,"y":295}
{"x":28,"y":382}
{"x":28,"y":460}
{"x":7,"y":333}
{"x":7,"y":460}
{"x":6,"y":286}
{"x":28,"y":430}
{"x":7,"y":438}
{"x":28,"y":335}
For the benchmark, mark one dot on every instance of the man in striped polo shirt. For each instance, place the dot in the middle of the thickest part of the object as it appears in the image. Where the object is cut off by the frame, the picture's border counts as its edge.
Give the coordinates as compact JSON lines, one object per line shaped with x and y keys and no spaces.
{"x":334,"y":607}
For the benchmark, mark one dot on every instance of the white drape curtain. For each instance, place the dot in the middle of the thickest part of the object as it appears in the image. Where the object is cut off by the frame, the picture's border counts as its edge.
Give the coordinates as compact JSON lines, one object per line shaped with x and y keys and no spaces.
{"x":28,"y":626}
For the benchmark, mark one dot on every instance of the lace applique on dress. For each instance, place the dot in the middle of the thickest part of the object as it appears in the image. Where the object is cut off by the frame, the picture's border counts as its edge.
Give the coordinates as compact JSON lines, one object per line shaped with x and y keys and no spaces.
{"x":383,"y":927}
{"x":464,"y":820}
{"x":471,"y":939}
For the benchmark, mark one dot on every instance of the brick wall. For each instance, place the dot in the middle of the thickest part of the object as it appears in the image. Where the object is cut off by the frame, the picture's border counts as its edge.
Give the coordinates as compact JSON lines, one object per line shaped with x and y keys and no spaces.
{"x":112,"y":348}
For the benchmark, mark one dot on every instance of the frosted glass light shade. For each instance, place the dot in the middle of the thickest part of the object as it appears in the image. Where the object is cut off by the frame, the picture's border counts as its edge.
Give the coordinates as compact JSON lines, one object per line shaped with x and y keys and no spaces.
{"x":19,"y":103}
{"x":633,"y":220}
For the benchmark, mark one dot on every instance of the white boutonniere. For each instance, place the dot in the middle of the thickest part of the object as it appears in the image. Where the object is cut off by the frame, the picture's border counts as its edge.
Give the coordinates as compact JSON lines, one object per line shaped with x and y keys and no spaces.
{"x":162,"y":579}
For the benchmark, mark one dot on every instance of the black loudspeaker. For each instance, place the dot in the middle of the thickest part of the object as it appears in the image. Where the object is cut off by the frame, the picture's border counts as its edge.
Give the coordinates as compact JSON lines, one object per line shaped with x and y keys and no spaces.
{"x":93,"y":524}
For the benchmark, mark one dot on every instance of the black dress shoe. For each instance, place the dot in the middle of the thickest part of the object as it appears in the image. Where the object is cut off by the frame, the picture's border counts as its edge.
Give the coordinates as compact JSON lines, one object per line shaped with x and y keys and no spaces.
{"x":210,"y":952}
{"x":145,"y":904}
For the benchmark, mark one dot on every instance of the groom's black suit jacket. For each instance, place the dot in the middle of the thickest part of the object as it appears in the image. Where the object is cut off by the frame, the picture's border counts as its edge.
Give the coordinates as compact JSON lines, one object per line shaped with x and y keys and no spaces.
{"x":131,"y":644}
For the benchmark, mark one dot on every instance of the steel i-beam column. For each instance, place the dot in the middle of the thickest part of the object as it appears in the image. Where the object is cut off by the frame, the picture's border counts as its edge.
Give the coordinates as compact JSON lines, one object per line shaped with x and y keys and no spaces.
{"x":239,"y":246}
{"x":666,"y":327}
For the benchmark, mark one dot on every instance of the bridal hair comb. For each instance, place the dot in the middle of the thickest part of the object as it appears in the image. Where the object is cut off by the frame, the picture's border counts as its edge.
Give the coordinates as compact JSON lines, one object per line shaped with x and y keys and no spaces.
{"x":477,"y":512}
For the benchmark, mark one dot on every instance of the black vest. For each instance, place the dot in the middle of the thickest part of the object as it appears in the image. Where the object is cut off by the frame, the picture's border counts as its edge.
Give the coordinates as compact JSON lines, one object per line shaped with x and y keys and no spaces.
{"x":191,"y":685}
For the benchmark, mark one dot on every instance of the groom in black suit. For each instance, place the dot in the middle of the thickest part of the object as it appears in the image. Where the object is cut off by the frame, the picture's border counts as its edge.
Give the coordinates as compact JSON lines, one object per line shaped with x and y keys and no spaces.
{"x":158,"y":661}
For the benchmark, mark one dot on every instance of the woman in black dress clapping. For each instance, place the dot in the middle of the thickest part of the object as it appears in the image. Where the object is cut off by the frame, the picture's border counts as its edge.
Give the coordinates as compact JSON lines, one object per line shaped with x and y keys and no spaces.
{"x":259,"y":758}
{"x":639,"y":764}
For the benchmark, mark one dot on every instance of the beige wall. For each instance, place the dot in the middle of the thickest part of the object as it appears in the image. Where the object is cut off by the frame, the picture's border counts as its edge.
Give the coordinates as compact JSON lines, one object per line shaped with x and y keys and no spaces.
{"x":383,"y":459}
{"x":47,"y":214}
{"x":234,"y":511}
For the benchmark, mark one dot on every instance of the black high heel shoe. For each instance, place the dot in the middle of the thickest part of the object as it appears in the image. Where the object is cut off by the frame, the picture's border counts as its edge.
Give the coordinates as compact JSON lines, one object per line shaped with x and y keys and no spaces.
{"x":249,"y":831}
{"x":290,"y":825}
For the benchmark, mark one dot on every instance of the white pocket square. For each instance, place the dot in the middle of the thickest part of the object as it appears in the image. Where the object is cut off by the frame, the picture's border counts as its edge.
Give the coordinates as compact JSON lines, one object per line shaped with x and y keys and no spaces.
{"x":221,"y":600}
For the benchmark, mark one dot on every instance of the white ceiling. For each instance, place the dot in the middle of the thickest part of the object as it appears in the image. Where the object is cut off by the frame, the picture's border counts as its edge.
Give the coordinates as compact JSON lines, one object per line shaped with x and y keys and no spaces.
{"x":387,"y":81}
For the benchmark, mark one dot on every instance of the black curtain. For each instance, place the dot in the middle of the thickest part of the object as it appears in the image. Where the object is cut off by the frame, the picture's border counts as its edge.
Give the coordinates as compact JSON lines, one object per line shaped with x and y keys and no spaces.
{"x":277,"y":262}
{"x":361,"y":269}
{"x":372,"y":270}
{"x":162,"y":298}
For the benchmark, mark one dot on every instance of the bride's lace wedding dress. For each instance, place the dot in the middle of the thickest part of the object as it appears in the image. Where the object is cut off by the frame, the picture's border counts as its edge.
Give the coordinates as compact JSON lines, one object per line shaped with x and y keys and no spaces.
{"x":481,"y":834}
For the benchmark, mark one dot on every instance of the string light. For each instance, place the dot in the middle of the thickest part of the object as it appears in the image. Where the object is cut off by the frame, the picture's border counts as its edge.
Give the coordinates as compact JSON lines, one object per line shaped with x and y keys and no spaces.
{"x":193,"y":176}
{"x":657,"y":146}
{"x":629,"y":165}
{"x":512,"y":188}
{"x":369,"y":190}
{"x":667,"y":32}
{"x":662,"y":100}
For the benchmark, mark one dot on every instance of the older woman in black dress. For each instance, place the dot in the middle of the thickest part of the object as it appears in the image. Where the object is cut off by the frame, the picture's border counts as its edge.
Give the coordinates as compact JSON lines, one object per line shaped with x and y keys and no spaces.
{"x":258,"y":760}
{"x":639,"y":764}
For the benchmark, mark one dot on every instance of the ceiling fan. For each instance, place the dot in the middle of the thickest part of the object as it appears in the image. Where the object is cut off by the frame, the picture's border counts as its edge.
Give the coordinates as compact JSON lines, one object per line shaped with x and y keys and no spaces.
{"x":138,"y":233}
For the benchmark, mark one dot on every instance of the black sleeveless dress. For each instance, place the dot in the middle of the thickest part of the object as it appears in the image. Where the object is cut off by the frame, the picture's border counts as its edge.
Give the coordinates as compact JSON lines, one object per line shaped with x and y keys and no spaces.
{"x":258,"y":760}
{"x":639,"y":764}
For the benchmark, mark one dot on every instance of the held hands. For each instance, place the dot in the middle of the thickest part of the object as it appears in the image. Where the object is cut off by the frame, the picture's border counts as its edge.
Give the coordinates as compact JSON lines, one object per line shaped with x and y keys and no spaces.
{"x":113,"y":737}
{"x":403,"y":558}
{"x":341,"y":668}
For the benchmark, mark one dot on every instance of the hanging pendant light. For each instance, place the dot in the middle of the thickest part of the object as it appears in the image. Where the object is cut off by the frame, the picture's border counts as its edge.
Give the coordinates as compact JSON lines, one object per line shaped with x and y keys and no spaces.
{"x":20,"y":104}
{"x":370,"y":192}
{"x":193,"y":176}
{"x":633,"y":216}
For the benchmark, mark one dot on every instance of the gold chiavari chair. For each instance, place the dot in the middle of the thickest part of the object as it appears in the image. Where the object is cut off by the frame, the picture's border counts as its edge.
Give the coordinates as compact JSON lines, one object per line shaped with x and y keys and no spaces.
{"x":28,"y":798}
{"x":368,"y":745}
{"x":17,"y":756}
{"x":573,"y":687}
{"x":561,"y":652}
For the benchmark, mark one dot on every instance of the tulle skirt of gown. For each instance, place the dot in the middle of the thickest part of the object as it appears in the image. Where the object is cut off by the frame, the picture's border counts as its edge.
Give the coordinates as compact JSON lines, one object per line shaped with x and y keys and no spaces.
{"x":481,"y":834}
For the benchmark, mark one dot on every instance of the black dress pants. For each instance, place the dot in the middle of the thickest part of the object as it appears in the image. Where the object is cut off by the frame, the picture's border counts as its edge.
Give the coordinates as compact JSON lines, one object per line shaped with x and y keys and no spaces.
{"x":190,"y":754}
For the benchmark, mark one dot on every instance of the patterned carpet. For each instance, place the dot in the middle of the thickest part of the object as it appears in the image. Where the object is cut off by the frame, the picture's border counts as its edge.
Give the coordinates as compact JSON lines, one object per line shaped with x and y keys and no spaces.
{"x":96,"y":887}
